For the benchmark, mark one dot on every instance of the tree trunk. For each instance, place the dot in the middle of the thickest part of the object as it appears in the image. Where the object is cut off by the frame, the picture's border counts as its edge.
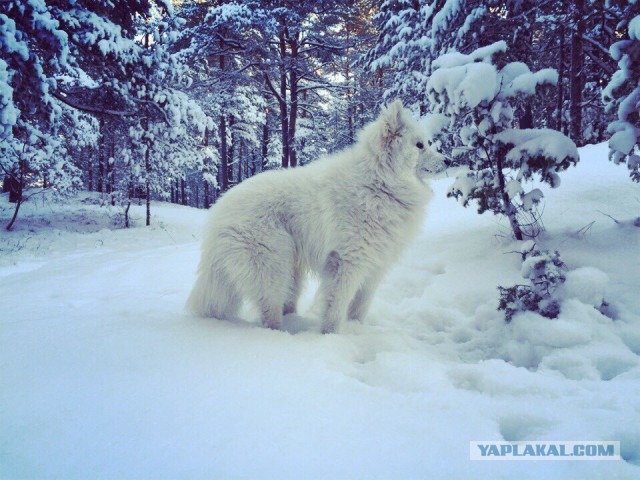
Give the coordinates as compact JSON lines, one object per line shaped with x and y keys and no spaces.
{"x":509,"y":208}
{"x":108,"y":168}
{"x":15,"y":212}
{"x":241,"y":161}
{"x":248,"y":159}
{"x":510,"y":212}
{"x":526,"y":120}
{"x":147,"y":167}
{"x":231,"y":152}
{"x":223,"y":173}
{"x":90,"y":171}
{"x":350,"y":123}
{"x":265,"y":145}
{"x":561,"y":75}
{"x":182,"y":191}
{"x":293,"y":104}
{"x":20,"y":187}
{"x":303,"y":115}
{"x":100,"y":174}
{"x":224,"y":166}
{"x":101,"y":153}
{"x":112,"y":177}
{"x":284,"y":119}
{"x":12,"y":185}
{"x":577,"y":75}
{"x":205,"y":142}
{"x":126,"y":214}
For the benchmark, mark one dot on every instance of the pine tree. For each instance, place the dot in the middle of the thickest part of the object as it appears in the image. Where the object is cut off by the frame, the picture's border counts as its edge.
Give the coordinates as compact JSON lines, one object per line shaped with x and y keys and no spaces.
{"x":413,"y":33}
{"x":277,"y":48}
{"x":475,"y":101}
{"x":58,"y":59}
{"x":540,"y":34}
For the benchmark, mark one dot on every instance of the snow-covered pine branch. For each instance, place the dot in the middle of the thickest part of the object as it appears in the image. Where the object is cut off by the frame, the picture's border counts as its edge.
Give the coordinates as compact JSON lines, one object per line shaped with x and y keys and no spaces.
{"x":622,"y":96}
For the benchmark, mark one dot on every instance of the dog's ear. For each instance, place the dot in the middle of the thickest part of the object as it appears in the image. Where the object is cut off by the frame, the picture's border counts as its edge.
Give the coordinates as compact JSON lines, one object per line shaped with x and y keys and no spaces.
{"x":392,"y":123}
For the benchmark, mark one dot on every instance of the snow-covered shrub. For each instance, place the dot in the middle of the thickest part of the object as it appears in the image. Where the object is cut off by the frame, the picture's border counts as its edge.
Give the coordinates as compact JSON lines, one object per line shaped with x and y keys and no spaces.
{"x":546,"y":272}
{"x":476,"y":102}
{"x":622,"y":95}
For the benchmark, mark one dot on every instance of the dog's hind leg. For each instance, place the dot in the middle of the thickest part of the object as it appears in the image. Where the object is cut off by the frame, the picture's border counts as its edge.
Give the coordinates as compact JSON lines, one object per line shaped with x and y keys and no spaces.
{"x":296,"y":283}
{"x":213,"y":295}
{"x":270,"y":299}
{"x":268,"y":281}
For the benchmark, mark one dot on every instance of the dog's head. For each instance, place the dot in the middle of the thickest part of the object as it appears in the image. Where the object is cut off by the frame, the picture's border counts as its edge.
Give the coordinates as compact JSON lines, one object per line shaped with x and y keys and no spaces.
{"x":402,"y":143}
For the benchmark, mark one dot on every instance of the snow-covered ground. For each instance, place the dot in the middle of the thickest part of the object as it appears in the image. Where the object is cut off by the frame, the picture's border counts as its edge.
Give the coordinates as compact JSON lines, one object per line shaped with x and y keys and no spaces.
{"x":103,"y":375}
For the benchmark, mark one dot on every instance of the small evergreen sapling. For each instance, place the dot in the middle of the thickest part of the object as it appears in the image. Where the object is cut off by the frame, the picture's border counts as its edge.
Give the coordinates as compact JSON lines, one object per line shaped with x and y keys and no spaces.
{"x":545,"y":272}
{"x":475,"y":103}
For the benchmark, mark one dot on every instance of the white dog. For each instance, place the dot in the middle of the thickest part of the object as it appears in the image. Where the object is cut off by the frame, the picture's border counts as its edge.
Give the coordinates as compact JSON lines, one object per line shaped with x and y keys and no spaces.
{"x":346,"y":217}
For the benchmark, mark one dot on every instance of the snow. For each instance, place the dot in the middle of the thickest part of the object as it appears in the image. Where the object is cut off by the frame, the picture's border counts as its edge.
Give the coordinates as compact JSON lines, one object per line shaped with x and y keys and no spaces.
{"x":467,"y":85}
{"x":513,"y":189}
{"x":532,"y":198}
{"x":463,"y":186}
{"x":457,"y":59}
{"x":623,"y":141}
{"x":9,"y":41}
{"x":433,"y":124}
{"x":8,"y":112}
{"x":105,"y":376}
{"x":537,"y":141}
{"x":587,"y":284}
{"x":526,"y":83}
{"x":634,"y":28}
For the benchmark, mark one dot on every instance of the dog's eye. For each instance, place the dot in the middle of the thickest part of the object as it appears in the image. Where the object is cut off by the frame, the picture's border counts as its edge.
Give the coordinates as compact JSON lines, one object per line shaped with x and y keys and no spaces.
{"x":420,"y":145}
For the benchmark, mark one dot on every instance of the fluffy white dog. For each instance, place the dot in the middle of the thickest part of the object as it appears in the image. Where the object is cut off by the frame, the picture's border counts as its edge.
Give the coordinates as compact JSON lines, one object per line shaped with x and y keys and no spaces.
{"x":346,"y":217}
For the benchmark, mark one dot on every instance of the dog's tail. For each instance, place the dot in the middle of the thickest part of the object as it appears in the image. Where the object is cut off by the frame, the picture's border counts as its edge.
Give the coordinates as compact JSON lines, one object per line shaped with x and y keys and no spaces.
{"x":213,"y":295}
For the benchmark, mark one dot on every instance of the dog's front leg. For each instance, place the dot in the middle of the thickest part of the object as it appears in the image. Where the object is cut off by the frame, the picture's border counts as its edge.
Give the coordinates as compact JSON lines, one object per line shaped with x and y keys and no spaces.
{"x":362,"y":300}
{"x":339,"y":285}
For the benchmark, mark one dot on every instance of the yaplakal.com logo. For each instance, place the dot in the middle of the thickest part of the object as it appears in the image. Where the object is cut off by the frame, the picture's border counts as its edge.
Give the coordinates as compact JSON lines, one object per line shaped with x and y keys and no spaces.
{"x":560,"y":450}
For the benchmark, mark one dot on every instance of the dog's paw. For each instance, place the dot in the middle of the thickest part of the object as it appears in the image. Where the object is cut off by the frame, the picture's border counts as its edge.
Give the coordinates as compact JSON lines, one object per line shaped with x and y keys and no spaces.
{"x":272,"y":324}
{"x":328,"y":327}
{"x":289,"y":308}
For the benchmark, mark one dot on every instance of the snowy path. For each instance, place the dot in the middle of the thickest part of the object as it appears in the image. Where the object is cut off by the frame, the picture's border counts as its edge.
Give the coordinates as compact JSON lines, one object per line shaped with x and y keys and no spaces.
{"x":104,"y":376}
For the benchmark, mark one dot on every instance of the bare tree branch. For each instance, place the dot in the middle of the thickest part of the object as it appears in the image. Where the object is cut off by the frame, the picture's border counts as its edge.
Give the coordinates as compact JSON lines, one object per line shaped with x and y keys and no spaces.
{"x":272,"y":88}
{"x":87,"y":108}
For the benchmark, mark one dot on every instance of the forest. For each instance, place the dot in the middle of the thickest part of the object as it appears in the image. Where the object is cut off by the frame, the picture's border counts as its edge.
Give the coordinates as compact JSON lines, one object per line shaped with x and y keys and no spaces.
{"x":510,"y":320}
{"x":179,"y":101}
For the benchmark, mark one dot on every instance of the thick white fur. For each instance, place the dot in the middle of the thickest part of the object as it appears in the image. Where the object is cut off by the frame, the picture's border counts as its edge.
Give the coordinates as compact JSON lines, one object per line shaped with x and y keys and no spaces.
{"x":346,"y":217}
